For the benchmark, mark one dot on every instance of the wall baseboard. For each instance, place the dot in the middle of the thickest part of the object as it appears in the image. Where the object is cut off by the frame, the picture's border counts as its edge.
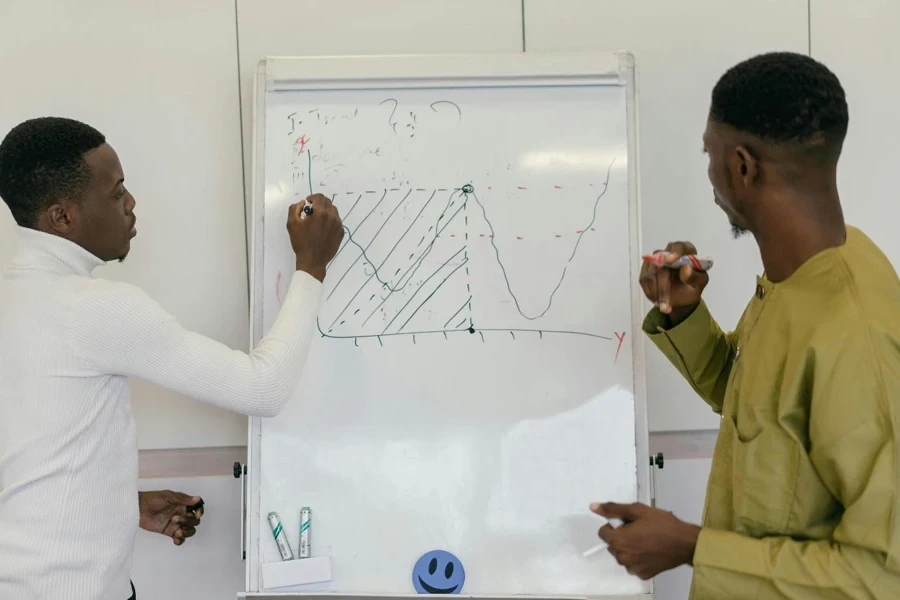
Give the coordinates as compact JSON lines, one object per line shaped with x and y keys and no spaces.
{"x":190,"y":462}
{"x":219,"y":461}
{"x":679,"y":445}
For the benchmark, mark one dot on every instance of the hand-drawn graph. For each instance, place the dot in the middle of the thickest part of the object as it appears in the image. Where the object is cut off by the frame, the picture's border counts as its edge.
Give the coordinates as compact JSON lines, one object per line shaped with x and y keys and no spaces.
{"x":390,"y":266}
{"x":449,"y":260}
{"x":406,"y":253}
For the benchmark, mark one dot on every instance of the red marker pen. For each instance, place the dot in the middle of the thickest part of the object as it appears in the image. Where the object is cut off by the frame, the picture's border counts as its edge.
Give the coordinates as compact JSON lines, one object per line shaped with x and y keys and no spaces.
{"x":698,"y":263}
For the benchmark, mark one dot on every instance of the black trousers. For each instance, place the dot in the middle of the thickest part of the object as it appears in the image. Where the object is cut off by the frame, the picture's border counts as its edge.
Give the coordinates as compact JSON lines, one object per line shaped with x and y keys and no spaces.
{"x":133,"y":593}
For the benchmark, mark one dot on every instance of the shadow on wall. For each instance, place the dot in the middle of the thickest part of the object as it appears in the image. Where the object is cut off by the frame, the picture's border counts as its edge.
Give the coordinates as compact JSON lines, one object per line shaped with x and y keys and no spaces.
{"x":7,"y":236}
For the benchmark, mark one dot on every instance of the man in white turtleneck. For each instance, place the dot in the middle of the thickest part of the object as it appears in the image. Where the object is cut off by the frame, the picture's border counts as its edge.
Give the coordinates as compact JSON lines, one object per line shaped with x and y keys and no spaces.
{"x":69,"y":505}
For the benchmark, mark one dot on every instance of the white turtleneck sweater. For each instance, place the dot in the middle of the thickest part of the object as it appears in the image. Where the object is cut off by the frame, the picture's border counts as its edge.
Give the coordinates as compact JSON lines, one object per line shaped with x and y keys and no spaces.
{"x":68,"y":451}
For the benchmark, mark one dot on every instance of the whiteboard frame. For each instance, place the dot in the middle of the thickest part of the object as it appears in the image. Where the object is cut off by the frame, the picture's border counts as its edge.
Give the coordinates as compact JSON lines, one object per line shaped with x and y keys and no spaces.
{"x":275,"y":74}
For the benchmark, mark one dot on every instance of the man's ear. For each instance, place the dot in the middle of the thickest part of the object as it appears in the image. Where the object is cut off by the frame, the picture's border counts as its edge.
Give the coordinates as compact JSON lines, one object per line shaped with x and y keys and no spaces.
{"x":61,"y":217}
{"x":747,"y":166}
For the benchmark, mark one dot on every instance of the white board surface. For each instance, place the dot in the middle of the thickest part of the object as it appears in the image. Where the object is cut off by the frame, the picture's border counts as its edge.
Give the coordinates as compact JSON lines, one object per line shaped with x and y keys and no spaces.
{"x":477,"y":381}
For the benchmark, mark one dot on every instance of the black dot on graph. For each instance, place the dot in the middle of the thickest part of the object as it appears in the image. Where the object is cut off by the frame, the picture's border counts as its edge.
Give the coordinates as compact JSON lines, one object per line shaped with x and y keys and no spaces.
{"x":468,"y":188}
{"x":471,"y":330}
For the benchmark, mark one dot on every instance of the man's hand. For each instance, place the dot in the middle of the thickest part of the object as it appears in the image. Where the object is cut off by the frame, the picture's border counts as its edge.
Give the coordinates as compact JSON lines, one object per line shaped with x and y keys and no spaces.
{"x":675,"y":291}
{"x":315,"y":237}
{"x":168,"y":513}
{"x":650,"y":541}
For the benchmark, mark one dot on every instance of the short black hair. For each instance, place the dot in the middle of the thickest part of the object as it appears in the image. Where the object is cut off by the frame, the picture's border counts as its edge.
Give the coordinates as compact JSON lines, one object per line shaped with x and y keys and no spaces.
{"x":42,"y":162}
{"x":782,"y":97}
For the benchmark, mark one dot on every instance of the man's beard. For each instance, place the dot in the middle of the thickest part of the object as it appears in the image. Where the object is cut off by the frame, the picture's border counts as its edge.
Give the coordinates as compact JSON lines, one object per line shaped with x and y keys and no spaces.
{"x":738,"y":231}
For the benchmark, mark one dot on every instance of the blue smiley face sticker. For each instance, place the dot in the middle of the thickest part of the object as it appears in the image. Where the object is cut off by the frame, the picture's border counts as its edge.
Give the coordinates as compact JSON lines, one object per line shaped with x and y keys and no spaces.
{"x":438,"y":572}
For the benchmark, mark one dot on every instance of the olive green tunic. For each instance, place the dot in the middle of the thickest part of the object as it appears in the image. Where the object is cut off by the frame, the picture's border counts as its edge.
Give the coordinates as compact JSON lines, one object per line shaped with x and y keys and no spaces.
{"x":802,"y":500}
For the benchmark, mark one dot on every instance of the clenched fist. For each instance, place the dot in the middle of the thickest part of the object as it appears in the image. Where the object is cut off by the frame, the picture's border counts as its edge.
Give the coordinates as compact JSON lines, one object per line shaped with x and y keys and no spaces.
{"x":172,"y":514}
{"x":315,"y":237}
{"x":675,"y":291}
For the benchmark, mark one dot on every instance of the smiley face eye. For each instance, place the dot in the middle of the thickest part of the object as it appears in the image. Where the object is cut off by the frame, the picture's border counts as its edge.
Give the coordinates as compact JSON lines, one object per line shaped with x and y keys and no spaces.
{"x":448,"y":572}
{"x":432,"y":566}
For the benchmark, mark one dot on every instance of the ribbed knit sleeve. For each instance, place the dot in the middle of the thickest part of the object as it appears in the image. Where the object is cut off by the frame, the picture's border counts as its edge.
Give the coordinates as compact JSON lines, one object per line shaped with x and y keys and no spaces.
{"x":115,"y":328}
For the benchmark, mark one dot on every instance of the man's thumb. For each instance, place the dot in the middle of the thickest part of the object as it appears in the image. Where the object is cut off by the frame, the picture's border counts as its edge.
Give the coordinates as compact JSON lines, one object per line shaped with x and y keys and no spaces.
{"x":614,"y":510}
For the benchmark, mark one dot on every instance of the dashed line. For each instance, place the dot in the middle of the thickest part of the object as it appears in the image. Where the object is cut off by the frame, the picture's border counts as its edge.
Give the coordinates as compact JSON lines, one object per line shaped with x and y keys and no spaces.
{"x":468,"y":277}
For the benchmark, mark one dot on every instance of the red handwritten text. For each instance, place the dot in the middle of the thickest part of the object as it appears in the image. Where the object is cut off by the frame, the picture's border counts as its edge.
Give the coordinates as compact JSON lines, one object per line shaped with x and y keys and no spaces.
{"x":621,"y":338}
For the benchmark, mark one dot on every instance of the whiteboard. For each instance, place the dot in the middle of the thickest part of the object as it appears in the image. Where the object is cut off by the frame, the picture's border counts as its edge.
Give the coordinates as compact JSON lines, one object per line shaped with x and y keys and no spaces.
{"x":478,"y":377}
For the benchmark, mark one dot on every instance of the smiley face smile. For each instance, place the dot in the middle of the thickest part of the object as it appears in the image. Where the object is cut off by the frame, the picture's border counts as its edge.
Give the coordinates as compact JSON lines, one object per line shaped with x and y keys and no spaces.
{"x":434,"y":590}
{"x":438,"y":572}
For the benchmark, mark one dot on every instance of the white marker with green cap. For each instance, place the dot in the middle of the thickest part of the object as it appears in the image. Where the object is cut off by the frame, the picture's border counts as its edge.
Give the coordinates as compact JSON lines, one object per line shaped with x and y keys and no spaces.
{"x":280,"y":538}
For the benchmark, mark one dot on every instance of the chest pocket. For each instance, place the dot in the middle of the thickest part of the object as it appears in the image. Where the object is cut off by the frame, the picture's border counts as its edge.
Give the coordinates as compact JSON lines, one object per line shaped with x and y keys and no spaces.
{"x":765,"y":457}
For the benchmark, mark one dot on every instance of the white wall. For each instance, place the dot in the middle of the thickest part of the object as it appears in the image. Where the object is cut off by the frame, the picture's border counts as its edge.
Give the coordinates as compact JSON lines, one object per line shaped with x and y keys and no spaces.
{"x":680,"y":488}
{"x":164,"y":91}
{"x":311,"y":27}
{"x":859,"y":41}
{"x":7,"y":235}
{"x":165,"y":80}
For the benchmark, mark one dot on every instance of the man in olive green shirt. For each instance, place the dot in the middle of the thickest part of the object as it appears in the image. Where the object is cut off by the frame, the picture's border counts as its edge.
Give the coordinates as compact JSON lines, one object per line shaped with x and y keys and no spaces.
{"x":803,"y":499}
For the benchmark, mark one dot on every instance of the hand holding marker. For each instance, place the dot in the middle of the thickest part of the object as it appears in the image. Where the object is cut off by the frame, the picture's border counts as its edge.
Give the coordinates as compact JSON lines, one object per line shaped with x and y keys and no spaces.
{"x":594,"y":550}
{"x":664,"y":259}
{"x":673,"y":279}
